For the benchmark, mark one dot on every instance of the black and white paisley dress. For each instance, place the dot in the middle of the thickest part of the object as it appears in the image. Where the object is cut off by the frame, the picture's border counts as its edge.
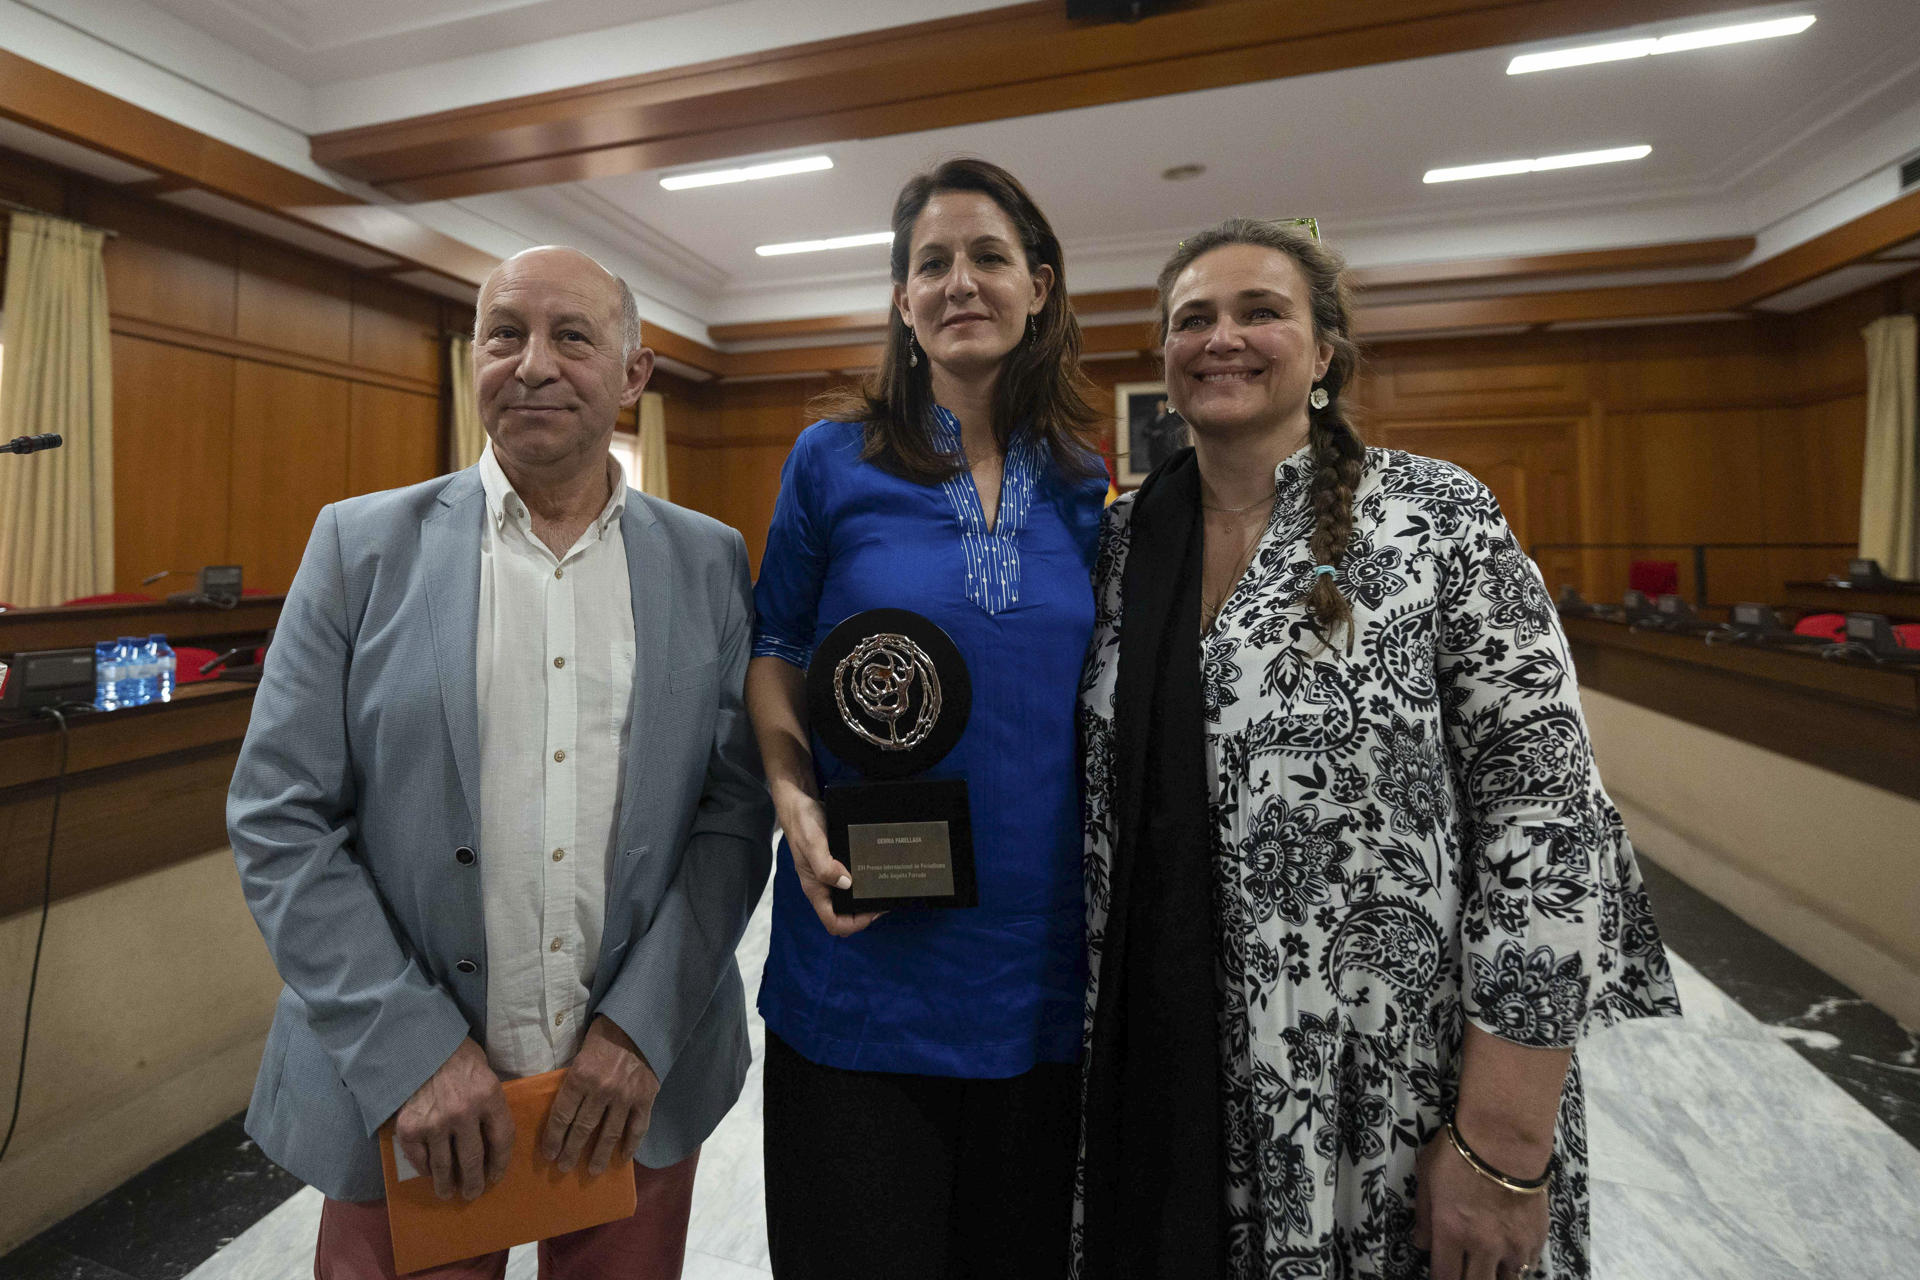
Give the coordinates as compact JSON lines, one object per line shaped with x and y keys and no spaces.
{"x":1405,"y":838}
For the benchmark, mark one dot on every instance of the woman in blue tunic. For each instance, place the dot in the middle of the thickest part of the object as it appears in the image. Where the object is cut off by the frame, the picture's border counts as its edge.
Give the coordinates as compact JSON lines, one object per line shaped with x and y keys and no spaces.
{"x":920,"y":1089}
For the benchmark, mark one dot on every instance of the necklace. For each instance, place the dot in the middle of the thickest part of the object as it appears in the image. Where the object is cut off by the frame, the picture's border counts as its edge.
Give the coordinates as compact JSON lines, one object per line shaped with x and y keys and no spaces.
{"x":1234,"y":511}
{"x":1210,"y":609}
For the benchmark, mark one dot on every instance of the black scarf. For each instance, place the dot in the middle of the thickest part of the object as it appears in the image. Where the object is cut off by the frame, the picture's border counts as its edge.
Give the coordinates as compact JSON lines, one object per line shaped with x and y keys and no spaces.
{"x":1155,"y":1160}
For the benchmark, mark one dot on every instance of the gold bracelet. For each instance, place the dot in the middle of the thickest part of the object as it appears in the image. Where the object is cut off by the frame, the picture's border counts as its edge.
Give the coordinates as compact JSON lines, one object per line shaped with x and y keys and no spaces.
{"x":1519,"y":1186}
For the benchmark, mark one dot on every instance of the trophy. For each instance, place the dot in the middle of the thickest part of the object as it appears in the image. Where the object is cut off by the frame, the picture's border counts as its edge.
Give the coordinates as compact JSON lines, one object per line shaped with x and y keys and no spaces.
{"x":889,"y":694}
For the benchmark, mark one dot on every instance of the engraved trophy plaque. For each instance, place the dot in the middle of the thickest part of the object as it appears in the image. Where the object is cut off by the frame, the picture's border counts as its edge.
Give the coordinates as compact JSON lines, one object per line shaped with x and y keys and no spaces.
{"x":889,"y":694}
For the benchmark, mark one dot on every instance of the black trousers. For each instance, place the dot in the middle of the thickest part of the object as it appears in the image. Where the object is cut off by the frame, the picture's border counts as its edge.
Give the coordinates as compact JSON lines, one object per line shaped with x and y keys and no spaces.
{"x":878,"y":1176}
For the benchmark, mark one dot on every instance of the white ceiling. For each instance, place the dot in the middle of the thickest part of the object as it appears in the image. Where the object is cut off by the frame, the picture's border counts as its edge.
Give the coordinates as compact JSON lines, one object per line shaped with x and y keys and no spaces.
{"x":1731,"y":128}
{"x":1780,"y":139}
{"x":321,"y":41}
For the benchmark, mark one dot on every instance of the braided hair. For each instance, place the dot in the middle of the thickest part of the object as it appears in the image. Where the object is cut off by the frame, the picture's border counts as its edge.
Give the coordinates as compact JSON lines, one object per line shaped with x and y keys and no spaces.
{"x":1339,"y":455}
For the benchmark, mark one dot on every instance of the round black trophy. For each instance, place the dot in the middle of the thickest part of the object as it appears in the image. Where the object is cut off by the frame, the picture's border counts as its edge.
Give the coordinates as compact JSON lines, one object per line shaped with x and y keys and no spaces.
{"x":889,"y":694}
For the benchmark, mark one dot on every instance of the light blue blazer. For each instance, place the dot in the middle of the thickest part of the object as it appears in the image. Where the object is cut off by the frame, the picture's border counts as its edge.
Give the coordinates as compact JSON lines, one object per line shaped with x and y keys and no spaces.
{"x":355,"y":819}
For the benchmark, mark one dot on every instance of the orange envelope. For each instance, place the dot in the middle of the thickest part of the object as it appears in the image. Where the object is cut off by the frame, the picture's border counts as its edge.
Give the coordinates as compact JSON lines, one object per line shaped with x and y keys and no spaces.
{"x":534,"y":1201}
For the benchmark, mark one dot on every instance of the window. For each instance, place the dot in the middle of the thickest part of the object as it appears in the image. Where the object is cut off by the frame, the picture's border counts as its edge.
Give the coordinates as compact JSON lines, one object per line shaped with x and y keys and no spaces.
{"x":626,"y":451}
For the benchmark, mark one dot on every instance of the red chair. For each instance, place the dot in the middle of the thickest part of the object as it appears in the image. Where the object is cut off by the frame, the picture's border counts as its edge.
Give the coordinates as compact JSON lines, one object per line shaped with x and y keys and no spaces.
{"x":1655,"y":577}
{"x":1826,"y":626}
{"x":187,"y":664}
{"x":113,"y":597}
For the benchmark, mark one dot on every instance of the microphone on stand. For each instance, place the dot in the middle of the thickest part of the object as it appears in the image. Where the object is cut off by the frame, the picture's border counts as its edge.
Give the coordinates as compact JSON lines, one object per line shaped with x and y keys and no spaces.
{"x":31,"y":444}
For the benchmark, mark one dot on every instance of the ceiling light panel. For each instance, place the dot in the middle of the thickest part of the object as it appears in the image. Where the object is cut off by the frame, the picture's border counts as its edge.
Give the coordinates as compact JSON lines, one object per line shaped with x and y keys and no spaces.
{"x":817,"y":246}
{"x":746,"y":173}
{"x":1681,"y":42}
{"x":1543,"y":164}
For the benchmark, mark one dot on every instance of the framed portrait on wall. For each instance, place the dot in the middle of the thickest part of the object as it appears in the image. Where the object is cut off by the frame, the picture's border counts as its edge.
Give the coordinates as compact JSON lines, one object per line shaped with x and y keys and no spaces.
{"x":1146,"y":431}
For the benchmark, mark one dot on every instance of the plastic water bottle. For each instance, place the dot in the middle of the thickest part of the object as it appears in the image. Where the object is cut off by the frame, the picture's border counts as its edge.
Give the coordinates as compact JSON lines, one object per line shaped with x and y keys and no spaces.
{"x":106,"y":676}
{"x":132,"y":671}
{"x":165,"y":664}
{"x":149,"y":673}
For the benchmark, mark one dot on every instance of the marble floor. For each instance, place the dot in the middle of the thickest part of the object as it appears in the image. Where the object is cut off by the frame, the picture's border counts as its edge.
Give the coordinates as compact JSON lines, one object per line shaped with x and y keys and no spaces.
{"x":1724,"y":1147}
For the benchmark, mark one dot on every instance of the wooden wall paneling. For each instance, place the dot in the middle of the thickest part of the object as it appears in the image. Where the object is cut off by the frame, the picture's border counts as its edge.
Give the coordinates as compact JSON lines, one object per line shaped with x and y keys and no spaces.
{"x":1694,"y":476}
{"x":1479,"y":377}
{"x":32,"y":182}
{"x":166,"y":266}
{"x":398,"y":330}
{"x":1812,"y":460}
{"x":172,"y":439}
{"x":154,"y":813}
{"x":695,"y":466}
{"x":1709,"y":366}
{"x":757,"y":424}
{"x":1529,"y":465}
{"x":289,"y":460}
{"x":393,"y":438}
{"x":293,"y":302}
{"x":1599,"y":572}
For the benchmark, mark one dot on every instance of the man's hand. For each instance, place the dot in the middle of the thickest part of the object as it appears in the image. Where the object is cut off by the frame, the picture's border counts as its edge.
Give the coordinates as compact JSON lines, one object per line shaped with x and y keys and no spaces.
{"x":608,"y":1087}
{"x":457,"y":1127}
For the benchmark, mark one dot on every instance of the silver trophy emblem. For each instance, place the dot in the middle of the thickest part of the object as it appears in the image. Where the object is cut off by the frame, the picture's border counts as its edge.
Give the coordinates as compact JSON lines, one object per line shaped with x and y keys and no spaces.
{"x":876,"y":685}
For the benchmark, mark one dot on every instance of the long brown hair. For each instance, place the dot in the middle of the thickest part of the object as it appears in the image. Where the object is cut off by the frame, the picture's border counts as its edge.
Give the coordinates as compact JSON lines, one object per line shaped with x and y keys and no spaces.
{"x":1040,"y":383}
{"x":1339,"y":455}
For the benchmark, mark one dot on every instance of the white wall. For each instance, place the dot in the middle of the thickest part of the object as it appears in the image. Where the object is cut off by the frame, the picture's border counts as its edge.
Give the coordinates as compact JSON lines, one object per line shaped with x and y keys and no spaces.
{"x":153,"y":1005}
{"x":1828,"y":866}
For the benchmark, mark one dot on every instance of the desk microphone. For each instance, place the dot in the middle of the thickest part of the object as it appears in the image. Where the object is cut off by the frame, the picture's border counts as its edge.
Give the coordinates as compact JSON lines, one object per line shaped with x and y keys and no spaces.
{"x":31,"y":444}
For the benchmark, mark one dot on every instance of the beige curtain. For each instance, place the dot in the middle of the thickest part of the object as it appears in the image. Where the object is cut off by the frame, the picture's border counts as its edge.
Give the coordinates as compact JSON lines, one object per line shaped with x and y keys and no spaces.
{"x":653,"y":445}
{"x":56,"y":508}
{"x":467,"y":437}
{"x":1890,"y":494}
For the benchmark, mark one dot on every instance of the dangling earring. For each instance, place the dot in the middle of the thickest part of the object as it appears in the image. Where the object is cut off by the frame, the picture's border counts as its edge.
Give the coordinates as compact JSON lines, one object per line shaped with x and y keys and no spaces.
{"x":913,"y":351}
{"x":1033,"y":329}
{"x":1319,"y":398}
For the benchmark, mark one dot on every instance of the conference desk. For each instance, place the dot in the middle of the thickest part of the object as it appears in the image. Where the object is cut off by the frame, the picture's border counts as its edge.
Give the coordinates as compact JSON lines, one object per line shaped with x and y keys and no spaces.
{"x":74,"y":626}
{"x":1783,"y":785}
{"x":1853,"y":718}
{"x":154,"y":990}
{"x":145,"y":786}
{"x":1898,"y":600}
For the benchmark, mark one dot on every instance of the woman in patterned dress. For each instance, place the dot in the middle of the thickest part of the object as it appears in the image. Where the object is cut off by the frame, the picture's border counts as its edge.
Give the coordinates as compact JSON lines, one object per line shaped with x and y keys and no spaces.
{"x":1354,"y":889}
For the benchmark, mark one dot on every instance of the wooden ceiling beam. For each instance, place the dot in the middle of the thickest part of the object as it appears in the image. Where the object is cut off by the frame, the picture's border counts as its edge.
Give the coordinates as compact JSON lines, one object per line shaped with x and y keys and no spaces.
{"x":1650,"y":257}
{"x":997,"y":64}
{"x":44,"y":99}
{"x":1859,"y":240}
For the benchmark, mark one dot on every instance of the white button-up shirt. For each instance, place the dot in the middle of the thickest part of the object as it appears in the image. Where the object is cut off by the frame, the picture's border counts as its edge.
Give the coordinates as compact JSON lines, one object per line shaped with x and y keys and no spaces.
{"x":555,"y":677}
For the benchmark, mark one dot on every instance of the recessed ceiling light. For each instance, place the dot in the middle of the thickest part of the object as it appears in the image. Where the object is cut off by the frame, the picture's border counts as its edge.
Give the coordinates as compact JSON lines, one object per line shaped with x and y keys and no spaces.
{"x":1502,"y":168}
{"x":1621,"y":50}
{"x":1181,"y":172}
{"x":749,"y":173}
{"x":816,"y":246}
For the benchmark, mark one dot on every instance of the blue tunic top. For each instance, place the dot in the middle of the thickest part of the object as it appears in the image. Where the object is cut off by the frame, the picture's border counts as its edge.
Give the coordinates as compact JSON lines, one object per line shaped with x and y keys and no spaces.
{"x":989,"y":991}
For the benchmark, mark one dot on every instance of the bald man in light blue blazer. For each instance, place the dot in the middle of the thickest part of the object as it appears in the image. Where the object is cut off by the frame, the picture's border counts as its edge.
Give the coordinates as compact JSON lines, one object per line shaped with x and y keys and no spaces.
{"x":356,"y":807}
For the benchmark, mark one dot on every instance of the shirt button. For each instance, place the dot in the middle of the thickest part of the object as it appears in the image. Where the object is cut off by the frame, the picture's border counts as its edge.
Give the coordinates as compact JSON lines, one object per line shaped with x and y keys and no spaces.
{"x":559,"y":573}
{"x":464,"y":856}
{"x":466,"y":966}
{"x":559,"y":662}
{"x":554,"y":945}
{"x":559,"y":757}
{"x":559,"y":854}
{"x":559,"y":1019}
